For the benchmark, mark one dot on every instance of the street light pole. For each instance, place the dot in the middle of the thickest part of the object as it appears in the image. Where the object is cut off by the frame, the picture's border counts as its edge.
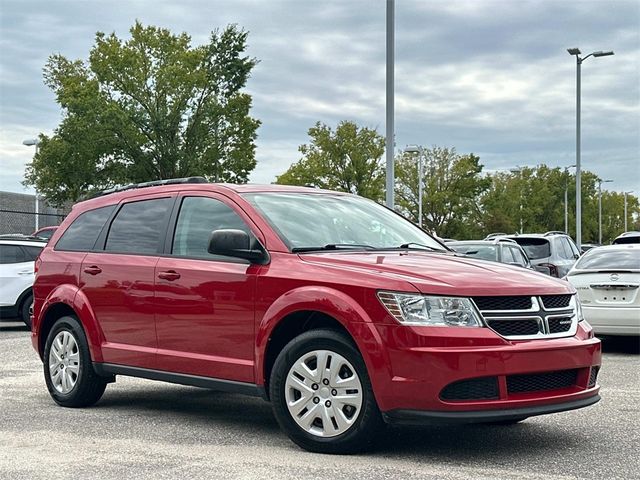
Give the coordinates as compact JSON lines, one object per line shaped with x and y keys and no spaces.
{"x":389,"y":143}
{"x":625,"y":209}
{"x":519,"y":171}
{"x":579,"y":60}
{"x":566,"y":199}
{"x":34,"y":142}
{"x":420,"y":151}
{"x":600,"y":182}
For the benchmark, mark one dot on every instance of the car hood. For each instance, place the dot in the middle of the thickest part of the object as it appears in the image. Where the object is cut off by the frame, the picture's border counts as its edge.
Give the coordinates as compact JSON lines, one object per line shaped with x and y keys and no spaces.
{"x":443,"y":274}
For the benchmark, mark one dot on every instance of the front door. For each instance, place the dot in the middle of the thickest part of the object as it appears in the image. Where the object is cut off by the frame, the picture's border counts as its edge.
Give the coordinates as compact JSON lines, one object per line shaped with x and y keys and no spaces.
{"x":204,"y":302}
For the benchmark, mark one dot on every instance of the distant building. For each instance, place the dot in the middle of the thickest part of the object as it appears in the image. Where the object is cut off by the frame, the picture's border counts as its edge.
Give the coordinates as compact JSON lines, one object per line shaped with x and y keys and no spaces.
{"x":19,"y":213}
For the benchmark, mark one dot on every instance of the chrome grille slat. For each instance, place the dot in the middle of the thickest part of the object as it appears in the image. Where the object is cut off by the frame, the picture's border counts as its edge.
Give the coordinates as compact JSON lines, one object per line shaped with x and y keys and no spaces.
{"x":545,"y":317}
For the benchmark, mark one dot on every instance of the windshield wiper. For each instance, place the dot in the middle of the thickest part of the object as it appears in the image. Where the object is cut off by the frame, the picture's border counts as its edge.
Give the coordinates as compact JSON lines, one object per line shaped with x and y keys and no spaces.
{"x":409,"y":245}
{"x":333,"y":246}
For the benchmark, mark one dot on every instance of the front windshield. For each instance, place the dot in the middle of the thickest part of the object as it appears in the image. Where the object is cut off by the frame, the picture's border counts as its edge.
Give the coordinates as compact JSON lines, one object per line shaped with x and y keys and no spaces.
{"x":307,"y":220}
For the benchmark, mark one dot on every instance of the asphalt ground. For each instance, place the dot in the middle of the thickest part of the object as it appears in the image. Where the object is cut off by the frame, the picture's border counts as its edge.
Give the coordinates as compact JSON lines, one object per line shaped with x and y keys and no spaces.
{"x":146,"y":429}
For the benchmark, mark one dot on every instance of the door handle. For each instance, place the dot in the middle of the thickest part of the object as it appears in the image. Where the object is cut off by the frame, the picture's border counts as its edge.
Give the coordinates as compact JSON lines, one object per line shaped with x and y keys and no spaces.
{"x":170,"y":275}
{"x":93,"y":270}
{"x":25,"y":272}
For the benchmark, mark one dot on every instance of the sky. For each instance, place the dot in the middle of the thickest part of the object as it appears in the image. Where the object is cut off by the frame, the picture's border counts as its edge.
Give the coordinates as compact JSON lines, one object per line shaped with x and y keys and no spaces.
{"x":487,"y":77}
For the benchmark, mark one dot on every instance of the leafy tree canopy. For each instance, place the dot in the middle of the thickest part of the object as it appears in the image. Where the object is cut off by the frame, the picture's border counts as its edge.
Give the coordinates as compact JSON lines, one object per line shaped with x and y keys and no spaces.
{"x":347,"y":159}
{"x":146,"y":108}
{"x":451,"y":182}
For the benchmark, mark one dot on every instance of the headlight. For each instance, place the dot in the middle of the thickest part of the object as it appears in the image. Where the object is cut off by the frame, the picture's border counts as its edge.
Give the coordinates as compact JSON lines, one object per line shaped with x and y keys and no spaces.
{"x":410,"y":309}
{"x":578,"y":306}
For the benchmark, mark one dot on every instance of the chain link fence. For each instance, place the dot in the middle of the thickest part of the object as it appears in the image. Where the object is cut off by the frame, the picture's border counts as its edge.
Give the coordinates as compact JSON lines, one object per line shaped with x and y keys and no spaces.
{"x":12,"y":221}
{"x":22,"y":213}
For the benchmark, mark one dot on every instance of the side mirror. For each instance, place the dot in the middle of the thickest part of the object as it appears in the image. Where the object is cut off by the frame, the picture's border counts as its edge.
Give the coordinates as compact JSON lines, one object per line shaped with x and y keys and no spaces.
{"x":235,"y":243}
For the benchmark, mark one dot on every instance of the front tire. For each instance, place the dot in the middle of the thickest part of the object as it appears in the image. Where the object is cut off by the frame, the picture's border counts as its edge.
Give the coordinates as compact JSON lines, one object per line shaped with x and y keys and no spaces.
{"x":68,"y":371}
{"x":322,"y":396}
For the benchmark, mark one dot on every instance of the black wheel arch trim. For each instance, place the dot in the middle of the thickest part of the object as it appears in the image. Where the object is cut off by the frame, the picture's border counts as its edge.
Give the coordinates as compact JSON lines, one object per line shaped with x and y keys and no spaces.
{"x":421,"y":417}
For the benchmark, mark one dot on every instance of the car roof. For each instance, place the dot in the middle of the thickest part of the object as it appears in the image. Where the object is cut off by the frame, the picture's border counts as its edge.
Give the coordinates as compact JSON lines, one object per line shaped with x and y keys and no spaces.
{"x":492,"y":242}
{"x":621,"y":246}
{"x":24,"y":242}
{"x":110,"y":198}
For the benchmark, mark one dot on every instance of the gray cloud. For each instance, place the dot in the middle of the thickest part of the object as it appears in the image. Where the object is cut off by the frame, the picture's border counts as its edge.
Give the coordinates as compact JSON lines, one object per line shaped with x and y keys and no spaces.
{"x":489,"y":77}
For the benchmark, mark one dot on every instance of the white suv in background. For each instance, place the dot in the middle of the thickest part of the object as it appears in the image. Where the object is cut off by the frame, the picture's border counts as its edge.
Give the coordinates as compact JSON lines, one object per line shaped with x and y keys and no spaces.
{"x":17,"y":257}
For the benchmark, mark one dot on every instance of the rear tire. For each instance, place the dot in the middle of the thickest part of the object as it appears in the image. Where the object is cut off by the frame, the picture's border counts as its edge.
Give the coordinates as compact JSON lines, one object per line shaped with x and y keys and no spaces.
{"x":322,"y":396}
{"x":25,"y":307}
{"x":68,"y":371}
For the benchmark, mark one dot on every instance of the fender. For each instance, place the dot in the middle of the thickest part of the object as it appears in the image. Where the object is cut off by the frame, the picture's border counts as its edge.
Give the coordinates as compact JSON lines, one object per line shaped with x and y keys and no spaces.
{"x":335,"y":304}
{"x":75,"y":299}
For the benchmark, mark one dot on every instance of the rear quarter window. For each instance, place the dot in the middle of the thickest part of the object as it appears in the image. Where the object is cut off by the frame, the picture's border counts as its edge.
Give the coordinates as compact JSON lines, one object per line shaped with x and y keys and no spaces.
{"x":84,"y":231}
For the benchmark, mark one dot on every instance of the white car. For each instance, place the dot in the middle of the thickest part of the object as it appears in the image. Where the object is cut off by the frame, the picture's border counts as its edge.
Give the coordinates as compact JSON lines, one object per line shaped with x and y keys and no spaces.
{"x":608,"y":283}
{"x":16,"y":276}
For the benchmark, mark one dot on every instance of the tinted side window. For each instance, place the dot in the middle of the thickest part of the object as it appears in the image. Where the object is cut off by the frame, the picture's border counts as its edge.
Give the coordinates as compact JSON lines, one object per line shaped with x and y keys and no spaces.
{"x":12,"y":254}
{"x":83,"y":232}
{"x":564,"y":250}
{"x":518,"y":256}
{"x":507,"y":256}
{"x":138,"y":227}
{"x":573,"y":246}
{"x":32,"y":252}
{"x":198,"y":217}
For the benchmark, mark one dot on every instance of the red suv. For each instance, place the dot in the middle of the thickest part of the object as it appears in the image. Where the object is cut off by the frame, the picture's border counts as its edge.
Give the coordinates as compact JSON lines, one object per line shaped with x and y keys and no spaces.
{"x":340,"y":312}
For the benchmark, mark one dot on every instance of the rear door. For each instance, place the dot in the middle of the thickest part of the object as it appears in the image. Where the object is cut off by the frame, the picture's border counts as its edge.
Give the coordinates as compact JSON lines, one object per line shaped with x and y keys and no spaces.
{"x":205,"y":302}
{"x":118,"y":279}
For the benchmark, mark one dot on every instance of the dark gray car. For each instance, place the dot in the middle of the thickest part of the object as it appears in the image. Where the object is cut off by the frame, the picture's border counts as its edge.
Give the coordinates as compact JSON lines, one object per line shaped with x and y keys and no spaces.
{"x":553,"y":250}
{"x":501,"y":250}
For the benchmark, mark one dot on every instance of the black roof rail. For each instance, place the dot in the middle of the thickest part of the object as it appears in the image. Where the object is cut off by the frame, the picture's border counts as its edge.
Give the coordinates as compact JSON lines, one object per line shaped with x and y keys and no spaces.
{"x":554,"y":232}
{"x":154,"y":183}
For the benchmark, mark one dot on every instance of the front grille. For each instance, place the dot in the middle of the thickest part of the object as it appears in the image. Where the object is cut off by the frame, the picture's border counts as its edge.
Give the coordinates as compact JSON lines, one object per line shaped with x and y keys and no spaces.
{"x":514,"y":327}
{"x":593,"y":376}
{"x":503,"y":303}
{"x":556,"y":301}
{"x":559,"y":324}
{"x":541,"y":381}
{"x":485,"y":388}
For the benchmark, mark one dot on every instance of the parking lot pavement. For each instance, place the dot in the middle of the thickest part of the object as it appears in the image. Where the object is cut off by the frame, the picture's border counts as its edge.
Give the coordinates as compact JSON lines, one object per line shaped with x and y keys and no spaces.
{"x":144,"y":429}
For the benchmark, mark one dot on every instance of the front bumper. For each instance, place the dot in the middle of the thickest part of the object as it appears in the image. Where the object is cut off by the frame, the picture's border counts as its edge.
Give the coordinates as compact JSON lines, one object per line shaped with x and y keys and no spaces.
{"x":426,"y":360}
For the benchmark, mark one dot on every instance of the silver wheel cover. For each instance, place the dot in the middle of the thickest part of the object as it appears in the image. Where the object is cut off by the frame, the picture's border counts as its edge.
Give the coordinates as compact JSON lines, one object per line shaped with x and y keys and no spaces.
{"x":323,"y":393}
{"x":64,"y":362}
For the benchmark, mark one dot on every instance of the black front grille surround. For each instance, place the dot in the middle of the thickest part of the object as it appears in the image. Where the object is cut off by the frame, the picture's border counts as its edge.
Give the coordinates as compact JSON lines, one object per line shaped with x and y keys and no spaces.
{"x":484,"y":388}
{"x":503,"y":303}
{"x":509,"y":328}
{"x":526,"y":318}
{"x":559,"y":324}
{"x":537,"y":382}
{"x":555,"y":301}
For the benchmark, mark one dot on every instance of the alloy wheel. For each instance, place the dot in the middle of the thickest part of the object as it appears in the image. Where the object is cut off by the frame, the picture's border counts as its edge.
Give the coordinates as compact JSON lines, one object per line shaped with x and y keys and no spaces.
{"x":64,"y":362}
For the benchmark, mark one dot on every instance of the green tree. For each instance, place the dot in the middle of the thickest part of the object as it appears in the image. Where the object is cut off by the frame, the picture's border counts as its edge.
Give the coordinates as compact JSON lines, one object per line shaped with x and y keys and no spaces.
{"x":452,"y":185}
{"x":151,"y":107}
{"x":347,"y":160}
